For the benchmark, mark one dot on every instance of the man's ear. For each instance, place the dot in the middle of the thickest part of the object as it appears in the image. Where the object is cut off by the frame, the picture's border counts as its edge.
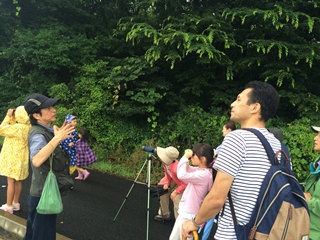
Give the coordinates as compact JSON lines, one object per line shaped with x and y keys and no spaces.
{"x":36,"y":115}
{"x":256,"y":107}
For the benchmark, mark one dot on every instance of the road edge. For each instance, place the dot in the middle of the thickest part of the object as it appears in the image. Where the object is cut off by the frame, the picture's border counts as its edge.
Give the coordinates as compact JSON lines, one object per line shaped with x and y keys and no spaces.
{"x":17,"y":225}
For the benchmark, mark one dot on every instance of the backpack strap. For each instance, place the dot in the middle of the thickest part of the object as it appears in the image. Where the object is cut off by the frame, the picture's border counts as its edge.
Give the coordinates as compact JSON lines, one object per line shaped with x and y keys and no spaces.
{"x":233,"y":213}
{"x":285,"y":156}
{"x":273,"y":157}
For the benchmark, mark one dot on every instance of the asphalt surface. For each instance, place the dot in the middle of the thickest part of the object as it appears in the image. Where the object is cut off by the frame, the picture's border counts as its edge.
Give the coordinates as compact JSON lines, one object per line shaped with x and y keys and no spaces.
{"x":5,"y":235}
{"x":91,"y":207}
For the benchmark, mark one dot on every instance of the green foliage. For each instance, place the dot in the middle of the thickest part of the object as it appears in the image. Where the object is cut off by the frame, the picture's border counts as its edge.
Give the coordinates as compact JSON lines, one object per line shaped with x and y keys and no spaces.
{"x":190,"y":126}
{"x":245,"y":40}
{"x":7,"y":19}
{"x":49,"y":49}
{"x":299,"y":139}
{"x":61,"y":91}
{"x":180,"y":36}
{"x":160,"y":72}
{"x":307,"y":104}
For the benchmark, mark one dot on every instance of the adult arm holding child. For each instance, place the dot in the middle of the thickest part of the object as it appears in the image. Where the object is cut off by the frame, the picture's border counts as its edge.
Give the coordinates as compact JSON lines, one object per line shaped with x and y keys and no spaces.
{"x":59,"y":135}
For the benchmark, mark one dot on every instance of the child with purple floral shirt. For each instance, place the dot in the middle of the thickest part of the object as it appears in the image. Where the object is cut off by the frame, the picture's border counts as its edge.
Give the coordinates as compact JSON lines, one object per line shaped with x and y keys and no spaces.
{"x":84,"y":154}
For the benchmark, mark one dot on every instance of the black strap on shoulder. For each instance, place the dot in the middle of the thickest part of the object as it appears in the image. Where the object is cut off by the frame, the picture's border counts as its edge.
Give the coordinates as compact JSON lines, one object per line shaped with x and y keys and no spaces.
{"x":233,"y":213}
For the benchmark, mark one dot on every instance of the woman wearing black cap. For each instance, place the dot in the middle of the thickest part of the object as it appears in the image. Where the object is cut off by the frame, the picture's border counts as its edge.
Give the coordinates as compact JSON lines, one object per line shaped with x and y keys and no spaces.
{"x":43,"y":141}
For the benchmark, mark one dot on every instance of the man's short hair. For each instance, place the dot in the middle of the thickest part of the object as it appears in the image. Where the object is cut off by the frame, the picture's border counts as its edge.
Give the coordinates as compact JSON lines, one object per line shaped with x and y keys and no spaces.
{"x":266,"y":95}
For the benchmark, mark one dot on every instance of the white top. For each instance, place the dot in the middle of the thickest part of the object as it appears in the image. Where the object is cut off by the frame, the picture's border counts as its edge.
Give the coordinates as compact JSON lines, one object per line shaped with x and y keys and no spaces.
{"x":243,"y":157}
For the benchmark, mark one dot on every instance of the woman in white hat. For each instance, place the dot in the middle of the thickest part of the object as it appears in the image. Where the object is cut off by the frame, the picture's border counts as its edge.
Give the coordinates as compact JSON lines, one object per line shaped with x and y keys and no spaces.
{"x":168,"y":156}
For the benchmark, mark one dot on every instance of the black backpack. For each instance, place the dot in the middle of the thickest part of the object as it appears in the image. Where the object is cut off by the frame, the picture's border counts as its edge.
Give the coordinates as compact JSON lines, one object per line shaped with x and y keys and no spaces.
{"x":281,"y":211}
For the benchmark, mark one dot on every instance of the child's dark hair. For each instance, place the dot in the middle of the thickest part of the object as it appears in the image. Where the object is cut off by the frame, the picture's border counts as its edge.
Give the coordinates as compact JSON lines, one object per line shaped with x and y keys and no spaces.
{"x":204,"y":150}
{"x":207,"y":151}
{"x":85,"y":134}
{"x":230,"y":125}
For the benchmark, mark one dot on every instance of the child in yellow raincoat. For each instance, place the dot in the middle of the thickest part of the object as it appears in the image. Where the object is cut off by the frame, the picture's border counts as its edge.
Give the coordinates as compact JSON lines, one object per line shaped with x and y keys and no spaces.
{"x":14,"y":156}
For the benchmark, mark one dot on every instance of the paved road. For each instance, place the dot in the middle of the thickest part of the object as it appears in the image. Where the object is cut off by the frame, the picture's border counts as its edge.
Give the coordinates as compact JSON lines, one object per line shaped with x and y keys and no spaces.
{"x":89,"y":210}
{"x":5,"y":235}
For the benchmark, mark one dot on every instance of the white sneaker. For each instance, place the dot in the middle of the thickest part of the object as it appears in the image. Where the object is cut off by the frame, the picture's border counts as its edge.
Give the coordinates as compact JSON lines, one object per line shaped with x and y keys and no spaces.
{"x":16,"y":206}
{"x":5,"y":208}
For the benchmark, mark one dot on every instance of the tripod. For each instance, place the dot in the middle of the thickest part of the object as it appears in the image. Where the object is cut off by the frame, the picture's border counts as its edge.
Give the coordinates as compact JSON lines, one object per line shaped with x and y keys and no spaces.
{"x":148,"y":160}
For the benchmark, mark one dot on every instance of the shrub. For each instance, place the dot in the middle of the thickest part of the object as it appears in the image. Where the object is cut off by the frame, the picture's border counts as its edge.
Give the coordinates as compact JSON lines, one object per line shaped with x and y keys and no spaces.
{"x":299,"y":139}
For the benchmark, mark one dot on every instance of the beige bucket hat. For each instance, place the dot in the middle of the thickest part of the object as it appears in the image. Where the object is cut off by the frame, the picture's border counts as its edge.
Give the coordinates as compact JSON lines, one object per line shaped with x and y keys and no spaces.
{"x":167,"y":155}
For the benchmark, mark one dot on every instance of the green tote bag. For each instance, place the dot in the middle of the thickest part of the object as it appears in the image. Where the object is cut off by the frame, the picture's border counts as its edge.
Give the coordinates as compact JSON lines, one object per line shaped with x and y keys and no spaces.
{"x":50,"y":201}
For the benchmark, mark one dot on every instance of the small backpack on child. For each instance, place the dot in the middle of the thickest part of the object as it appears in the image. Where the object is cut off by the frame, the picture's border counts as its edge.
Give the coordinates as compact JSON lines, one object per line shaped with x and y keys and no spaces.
{"x":281,"y":211}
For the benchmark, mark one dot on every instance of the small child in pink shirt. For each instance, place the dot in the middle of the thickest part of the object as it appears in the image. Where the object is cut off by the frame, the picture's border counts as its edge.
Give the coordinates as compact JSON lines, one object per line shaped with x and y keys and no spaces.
{"x":199,"y":177}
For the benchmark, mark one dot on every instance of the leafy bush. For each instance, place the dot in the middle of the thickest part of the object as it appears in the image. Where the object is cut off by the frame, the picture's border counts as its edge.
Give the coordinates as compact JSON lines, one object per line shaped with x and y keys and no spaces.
{"x":299,"y":139}
{"x":190,"y":126}
{"x":193,"y":125}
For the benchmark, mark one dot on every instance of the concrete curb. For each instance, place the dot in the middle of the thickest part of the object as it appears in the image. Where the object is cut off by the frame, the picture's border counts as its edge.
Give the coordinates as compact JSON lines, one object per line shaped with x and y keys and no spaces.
{"x":17,"y":225}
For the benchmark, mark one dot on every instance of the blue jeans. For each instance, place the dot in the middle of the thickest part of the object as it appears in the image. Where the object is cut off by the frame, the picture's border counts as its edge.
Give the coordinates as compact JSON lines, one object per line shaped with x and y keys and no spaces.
{"x":39,"y":226}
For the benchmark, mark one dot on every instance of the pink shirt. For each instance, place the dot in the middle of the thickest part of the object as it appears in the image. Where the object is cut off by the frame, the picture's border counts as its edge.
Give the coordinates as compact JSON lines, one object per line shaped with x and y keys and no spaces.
{"x":167,"y":178}
{"x":200,"y":183}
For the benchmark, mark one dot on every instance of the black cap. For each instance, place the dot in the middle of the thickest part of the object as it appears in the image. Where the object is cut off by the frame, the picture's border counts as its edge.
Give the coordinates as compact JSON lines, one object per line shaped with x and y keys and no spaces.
{"x":37,"y":101}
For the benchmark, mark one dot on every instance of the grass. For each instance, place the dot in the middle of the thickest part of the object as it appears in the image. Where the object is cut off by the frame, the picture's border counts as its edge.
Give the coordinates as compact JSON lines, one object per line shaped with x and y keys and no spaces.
{"x":128,"y":172}
{"x":111,"y":168}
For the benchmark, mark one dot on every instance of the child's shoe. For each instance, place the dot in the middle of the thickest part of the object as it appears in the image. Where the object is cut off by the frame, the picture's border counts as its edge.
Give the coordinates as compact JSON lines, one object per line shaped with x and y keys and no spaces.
{"x":6,"y":208}
{"x":85,"y":174}
{"x":162,"y":218}
{"x":80,"y":176}
{"x":16,"y":206}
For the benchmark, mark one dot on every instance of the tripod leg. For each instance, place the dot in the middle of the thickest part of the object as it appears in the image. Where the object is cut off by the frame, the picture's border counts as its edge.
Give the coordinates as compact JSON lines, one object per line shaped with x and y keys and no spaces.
{"x":160,"y":199}
{"x":148,"y":203}
{"x":125,"y":199}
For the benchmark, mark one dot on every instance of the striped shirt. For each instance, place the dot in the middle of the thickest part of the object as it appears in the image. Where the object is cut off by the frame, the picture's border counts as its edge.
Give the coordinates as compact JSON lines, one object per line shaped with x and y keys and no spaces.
{"x":243,"y":157}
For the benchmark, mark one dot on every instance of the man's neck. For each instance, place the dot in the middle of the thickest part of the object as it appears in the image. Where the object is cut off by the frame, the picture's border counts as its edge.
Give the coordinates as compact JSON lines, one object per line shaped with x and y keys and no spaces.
{"x":253,"y":124}
{"x":48,"y":124}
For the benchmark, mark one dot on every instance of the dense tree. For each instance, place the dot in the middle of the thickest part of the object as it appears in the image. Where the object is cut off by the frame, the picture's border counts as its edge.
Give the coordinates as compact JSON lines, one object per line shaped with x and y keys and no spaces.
{"x":132,"y":69}
{"x":237,"y":40}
